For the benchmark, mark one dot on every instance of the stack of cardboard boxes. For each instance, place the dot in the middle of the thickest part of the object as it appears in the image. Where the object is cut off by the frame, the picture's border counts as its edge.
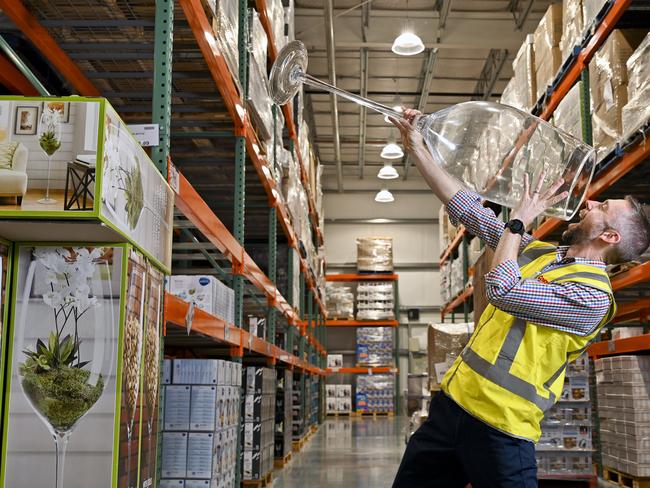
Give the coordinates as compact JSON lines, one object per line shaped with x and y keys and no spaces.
{"x":338,"y":398}
{"x":546,"y":44}
{"x":637,"y":110}
{"x":623,"y":384}
{"x":298,"y":422}
{"x":375,"y":393}
{"x":205,"y":292}
{"x":375,"y":346}
{"x":521,"y":91}
{"x":200,"y":418}
{"x":258,"y":426}
{"x":568,"y":115}
{"x":573,"y":26}
{"x":283,"y":414}
{"x":445,"y":343}
{"x":375,"y":301}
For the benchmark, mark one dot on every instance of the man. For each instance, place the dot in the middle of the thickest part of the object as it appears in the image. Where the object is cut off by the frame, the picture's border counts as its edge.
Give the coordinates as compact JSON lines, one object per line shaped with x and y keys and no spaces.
{"x":546,"y":304}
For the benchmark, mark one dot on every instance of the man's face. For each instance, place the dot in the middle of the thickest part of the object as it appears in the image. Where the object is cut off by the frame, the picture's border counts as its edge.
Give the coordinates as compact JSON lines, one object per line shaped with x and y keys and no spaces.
{"x":595,"y":218}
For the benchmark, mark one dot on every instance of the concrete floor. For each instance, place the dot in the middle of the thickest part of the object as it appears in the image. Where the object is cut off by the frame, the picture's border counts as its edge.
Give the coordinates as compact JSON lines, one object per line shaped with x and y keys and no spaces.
{"x":347,"y":453}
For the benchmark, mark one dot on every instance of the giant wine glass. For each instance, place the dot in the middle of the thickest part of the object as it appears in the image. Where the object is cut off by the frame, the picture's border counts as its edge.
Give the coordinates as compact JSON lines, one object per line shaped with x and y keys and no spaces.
{"x":487,"y":146}
{"x":49,"y":138}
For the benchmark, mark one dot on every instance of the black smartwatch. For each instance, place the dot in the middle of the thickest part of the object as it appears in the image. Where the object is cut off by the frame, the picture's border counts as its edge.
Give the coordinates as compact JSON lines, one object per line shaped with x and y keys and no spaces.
{"x":516,"y":226}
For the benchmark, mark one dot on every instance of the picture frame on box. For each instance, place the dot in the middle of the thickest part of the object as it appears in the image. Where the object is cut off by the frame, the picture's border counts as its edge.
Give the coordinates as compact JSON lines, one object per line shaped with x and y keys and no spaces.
{"x":62,"y":107}
{"x":26,"y":122}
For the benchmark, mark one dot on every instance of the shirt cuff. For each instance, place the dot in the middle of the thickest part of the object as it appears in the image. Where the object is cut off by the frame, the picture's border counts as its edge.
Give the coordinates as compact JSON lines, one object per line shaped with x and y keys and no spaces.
{"x":504,"y":276}
{"x":459,"y":204}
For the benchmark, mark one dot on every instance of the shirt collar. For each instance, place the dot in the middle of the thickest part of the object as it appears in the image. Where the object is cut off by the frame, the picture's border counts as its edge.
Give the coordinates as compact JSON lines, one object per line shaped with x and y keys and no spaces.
{"x":562,"y":259}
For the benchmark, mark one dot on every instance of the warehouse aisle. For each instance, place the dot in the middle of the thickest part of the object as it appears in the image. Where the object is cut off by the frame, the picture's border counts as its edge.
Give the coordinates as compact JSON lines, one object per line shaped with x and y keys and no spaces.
{"x":348,"y":453}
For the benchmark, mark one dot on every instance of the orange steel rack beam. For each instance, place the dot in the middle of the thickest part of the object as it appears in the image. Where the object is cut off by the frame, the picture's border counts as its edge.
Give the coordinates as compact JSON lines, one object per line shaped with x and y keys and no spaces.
{"x":632,"y":276}
{"x":453,"y":245}
{"x":635,"y":156}
{"x":363,"y":370}
{"x":638,"y":309}
{"x":460,"y":299}
{"x":620,"y":346}
{"x":14,"y":80}
{"x":361,"y":277}
{"x":190,"y":203}
{"x":288,"y":117}
{"x":219,"y":331}
{"x":204,"y":35}
{"x":361,"y":323}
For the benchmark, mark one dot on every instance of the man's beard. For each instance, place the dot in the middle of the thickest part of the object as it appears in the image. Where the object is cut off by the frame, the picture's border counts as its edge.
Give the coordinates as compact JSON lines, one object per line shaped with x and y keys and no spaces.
{"x":575,"y":235}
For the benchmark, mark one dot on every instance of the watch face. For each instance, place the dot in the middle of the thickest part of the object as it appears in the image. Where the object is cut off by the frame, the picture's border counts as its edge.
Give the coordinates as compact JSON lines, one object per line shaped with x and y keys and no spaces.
{"x":516,"y":225}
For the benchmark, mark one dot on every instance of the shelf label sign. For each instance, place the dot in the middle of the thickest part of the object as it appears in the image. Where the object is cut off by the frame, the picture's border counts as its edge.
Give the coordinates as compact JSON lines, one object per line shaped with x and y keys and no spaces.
{"x":146,"y":134}
{"x":611,"y":346}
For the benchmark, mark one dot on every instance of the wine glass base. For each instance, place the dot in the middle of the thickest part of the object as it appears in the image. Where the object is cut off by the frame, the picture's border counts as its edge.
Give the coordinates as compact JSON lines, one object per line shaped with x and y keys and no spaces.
{"x":285,"y":78}
{"x":47,"y":201}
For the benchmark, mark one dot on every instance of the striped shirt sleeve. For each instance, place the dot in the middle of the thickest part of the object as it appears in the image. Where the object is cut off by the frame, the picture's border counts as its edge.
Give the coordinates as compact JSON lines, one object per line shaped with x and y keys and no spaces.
{"x":569,"y":307}
{"x":465,"y":207}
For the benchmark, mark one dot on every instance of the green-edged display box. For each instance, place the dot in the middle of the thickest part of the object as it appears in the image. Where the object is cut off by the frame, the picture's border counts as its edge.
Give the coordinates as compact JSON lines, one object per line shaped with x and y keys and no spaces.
{"x":5,"y":295}
{"x":83,"y":367}
{"x":72,"y":163}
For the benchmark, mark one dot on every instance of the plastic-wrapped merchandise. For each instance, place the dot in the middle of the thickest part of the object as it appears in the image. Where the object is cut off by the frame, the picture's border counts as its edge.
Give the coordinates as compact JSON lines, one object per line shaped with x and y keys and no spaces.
{"x":523,"y":93}
{"x":275,"y":13}
{"x":259,"y":41}
{"x":375,"y":301}
{"x":445,"y":343}
{"x":568,"y":114}
{"x":608,"y":86}
{"x":590,"y":9}
{"x":259,"y":101}
{"x":374,"y":346}
{"x":289,"y":21}
{"x":340,"y":301}
{"x":637,"y":111}
{"x":548,"y":56}
{"x":375,"y":393}
{"x":225,"y":25}
{"x":573,"y":25}
{"x":445,"y":282}
{"x":375,"y":254}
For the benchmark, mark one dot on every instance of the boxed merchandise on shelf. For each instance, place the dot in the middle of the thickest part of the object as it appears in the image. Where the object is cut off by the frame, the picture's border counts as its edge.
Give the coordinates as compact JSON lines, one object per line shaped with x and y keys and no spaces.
{"x":283,"y":413}
{"x":445,"y":343}
{"x":335,"y":360}
{"x":546,"y":44}
{"x":375,"y":346}
{"x":340,"y":301}
{"x":573,"y":26}
{"x":590,"y":9}
{"x":206,"y":292}
{"x":375,"y":301}
{"x":201,"y":402}
{"x":375,"y":254}
{"x":258,"y":40}
{"x":298,"y":404}
{"x":259,"y":102}
{"x":445,"y":282}
{"x":457,"y":283}
{"x":624,"y":412}
{"x":568,"y":114}
{"x":289,"y":20}
{"x":375,"y":393}
{"x":522,"y":93}
{"x":275,"y":13}
{"x":225,"y":24}
{"x":637,"y":110}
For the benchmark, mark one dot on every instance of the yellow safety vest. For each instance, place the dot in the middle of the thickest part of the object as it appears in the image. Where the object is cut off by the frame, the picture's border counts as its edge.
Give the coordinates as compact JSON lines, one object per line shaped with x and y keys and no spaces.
{"x":512,"y":371}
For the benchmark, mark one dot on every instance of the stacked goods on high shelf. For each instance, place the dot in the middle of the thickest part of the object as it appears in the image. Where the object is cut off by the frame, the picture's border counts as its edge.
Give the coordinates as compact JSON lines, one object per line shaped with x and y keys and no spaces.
{"x":225,"y":25}
{"x":205,"y":292}
{"x":521,"y":91}
{"x":375,"y":393}
{"x":376,"y":301}
{"x":201,"y":402}
{"x":84,"y":365}
{"x":375,"y":254}
{"x":446,"y":230}
{"x":335,"y":360}
{"x":258,"y":422}
{"x":445,"y":343}
{"x":258,"y":100}
{"x":573,"y":26}
{"x":276,"y":14}
{"x":298,"y":423}
{"x":546,"y":44}
{"x":283,"y":398}
{"x":314,"y":388}
{"x":637,"y":110}
{"x":452,"y":281}
{"x":338,"y":398}
{"x":608,"y":76}
{"x":375,"y":346}
{"x":565,"y":447}
{"x":475,"y":250}
{"x":257,"y":326}
{"x":340,"y":301}
{"x":568,"y":115}
{"x":624,"y":412}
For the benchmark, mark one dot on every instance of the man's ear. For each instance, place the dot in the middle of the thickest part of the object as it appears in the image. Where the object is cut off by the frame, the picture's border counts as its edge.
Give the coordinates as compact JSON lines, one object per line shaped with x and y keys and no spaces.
{"x":610,"y":236}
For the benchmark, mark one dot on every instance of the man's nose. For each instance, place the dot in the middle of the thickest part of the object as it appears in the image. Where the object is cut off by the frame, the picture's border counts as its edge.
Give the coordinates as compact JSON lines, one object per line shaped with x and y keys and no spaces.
{"x":591,"y":204}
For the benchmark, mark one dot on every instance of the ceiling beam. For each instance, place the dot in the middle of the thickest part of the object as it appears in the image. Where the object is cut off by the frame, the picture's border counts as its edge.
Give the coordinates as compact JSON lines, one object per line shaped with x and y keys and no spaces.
{"x":331,"y":61}
{"x":519,"y":13}
{"x":490,"y":74}
{"x":362,"y":110}
{"x":385,"y":46}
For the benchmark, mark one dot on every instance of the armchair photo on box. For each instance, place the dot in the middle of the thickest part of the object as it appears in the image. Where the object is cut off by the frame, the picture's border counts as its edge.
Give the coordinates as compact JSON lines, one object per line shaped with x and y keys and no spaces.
{"x":13,"y":170}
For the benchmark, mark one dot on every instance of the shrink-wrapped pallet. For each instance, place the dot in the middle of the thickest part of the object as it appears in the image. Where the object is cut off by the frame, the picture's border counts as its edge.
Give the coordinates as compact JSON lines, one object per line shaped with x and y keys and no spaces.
{"x":225,"y":25}
{"x":568,"y":114}
{"x":259,"y":101}
{"x":259,"y":41}
{"x":275,"y":13}
{"x":573,"y":26}
{"x":546,"y":44}
{"x":445,"y":343}
{"x":590,"y":9}
{"x":523,"y":94}
{"x":375,"y":254}
{"x":637,"y":110}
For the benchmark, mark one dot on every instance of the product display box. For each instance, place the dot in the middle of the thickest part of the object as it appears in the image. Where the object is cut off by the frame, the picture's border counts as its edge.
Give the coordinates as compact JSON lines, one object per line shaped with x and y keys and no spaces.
{"x":335,"y":360}
{"x":344,"y":391}
{"x":99,"y":176}
{"x":257,"y":435}
{"x":5,"y":297}
{"x":258,"y":408}
{"x":207,"y":293}
{"x":84,"y":343}
{"x":259,"y":380}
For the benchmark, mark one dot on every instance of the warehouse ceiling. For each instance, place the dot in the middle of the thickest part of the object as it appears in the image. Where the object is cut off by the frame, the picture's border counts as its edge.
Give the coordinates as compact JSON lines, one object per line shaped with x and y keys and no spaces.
{"x":470,"y":46}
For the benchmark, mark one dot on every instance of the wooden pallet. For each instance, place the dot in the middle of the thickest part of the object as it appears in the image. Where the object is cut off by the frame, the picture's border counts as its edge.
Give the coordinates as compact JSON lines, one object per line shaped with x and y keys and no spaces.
{"x":375,"y":415}
{"x":280,"y":463}
{"x":314,"y":429}
{"x":341,"y":414}
{"x":300,"y":443}
{"x":624,"y":480}
{"x":266,"y":480}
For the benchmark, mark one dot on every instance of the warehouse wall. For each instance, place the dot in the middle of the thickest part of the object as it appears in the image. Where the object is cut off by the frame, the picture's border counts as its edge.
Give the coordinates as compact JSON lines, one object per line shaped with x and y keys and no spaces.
{"x":412,"y":243}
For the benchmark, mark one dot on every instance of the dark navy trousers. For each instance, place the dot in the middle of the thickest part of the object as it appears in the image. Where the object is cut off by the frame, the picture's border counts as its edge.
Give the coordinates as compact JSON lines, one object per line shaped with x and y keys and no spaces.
{"x":453,"y":448}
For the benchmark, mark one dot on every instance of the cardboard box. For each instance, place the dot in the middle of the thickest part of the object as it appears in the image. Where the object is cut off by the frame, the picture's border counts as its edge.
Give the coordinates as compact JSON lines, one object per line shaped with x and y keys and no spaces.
{"x":197,"y":372}
{"x":177,"y":408}
{"x":344,"y":391}
{"x":335,"y":360}
{"x":523,"y":92}
{"x":573,"y":26}
{"x":568,"y":114}
{"x":331,"y":390}
{"x":203,"y":408}
{"x":199,"y":455}
{"x":445,"y":343}
{"x":344,"y":404}
{"x":174,"y":454}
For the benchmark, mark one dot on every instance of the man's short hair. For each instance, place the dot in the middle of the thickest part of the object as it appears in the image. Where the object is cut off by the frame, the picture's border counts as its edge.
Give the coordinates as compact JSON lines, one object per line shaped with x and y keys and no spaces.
{"x":635,"y":233}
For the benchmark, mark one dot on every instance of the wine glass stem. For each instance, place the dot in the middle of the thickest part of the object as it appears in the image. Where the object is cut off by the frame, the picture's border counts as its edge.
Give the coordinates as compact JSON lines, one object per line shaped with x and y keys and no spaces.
{"x":47,"y":191}
{"x":61,"y":443}
{"x":128,"y":458}
{"x":377,"y":107}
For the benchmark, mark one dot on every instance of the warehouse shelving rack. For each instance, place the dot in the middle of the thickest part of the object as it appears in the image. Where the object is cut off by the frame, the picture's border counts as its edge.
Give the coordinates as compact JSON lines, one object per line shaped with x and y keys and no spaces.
{"x":160,"y":63}
{"x":370,"y":277}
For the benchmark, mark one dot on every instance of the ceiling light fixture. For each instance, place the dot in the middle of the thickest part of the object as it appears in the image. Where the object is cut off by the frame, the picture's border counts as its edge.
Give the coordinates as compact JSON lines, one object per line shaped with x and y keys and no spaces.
{"x":407,"y":44}
{"x":387,"y":172}
{"x":384,"y":196}
{"x":391,"y":150}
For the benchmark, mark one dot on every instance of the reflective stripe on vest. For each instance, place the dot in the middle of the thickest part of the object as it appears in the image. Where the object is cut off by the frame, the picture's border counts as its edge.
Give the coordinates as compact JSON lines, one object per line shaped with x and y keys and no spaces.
{"x":531,"y":254}
{"x":585,"y":274}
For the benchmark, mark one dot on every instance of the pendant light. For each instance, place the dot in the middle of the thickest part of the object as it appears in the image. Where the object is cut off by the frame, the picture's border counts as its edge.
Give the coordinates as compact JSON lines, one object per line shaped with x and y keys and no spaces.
{"x":384,"y":196}
{"x":387,"y":172}
{"x":391,"y":150}
{"x":408,"y":43}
